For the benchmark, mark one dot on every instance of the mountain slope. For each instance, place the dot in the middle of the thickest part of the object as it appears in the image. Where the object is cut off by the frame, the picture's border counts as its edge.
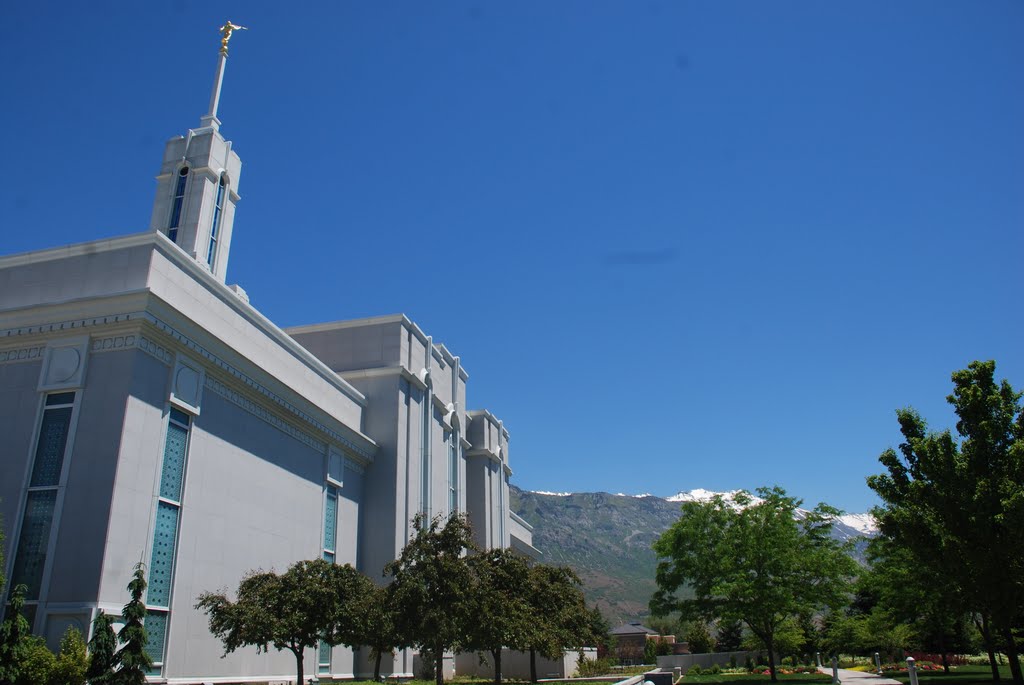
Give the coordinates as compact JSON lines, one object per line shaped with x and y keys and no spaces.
{"x":607,"y":540}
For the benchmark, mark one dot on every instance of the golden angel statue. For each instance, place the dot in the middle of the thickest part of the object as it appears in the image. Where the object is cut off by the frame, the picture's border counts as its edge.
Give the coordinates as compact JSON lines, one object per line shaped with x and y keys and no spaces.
{"x":225,"y":35}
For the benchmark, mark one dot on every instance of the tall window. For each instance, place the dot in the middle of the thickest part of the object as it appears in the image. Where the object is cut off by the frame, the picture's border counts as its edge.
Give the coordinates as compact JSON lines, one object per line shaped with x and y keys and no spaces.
{"x":176,"y":203}
{"x":37,"y":524}
{"x":501,"y":506}
{"x":165,"y":535}
{"x":331,"y":523}
{"x":330,"y":553}
{"x":453,"y":472}
{"x":218,"y":212}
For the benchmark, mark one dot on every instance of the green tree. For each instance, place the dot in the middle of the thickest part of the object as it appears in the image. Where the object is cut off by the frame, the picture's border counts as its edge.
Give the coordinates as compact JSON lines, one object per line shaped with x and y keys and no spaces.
{"x":664,"y":625}
{"x":433,"y":588}
{"x":379,"y":625}
{"x":958,"y":505}
{"x":102,"y":650}
{"x":3,"y":579}
{"x":560,"y":619}
{"x":501,"y":616}
{"x":913,"y":596}
{"x":14,"y":637}
{"x":133,"y":661}
{"x":36,"y":662}
{"x":699,"y":638}
{"x":650,"y":651}
{"x":751,"y":562}
{"x":730,"y":636}
{"x":72,"y":660}
{"x":312,"y":601}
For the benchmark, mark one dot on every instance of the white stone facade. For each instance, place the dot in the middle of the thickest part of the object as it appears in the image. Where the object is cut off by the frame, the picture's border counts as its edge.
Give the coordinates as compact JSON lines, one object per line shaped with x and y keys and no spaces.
{"x":151,"y":414}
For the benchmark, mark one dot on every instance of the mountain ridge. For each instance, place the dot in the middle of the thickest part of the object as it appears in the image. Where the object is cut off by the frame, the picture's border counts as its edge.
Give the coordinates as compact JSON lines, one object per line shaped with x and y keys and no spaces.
{"x":606,"y":538}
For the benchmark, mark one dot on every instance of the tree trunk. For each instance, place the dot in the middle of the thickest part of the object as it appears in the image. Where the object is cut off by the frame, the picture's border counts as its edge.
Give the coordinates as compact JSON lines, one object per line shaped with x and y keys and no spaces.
{"x":376,"y":665}
{"x":942,"y":649}
{"x":438,"y":665}
{"x":986,"y":637}
{"x":297,"y":651}
{"x":533,"y":665}
{"x":770,"y":644}
{"x":1011,"y":654}
{"x":496,"y":653}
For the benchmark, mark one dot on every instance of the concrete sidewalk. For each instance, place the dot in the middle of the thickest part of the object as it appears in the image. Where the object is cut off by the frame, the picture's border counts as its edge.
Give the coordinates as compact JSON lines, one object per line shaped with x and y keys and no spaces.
{"x":859,"y":677}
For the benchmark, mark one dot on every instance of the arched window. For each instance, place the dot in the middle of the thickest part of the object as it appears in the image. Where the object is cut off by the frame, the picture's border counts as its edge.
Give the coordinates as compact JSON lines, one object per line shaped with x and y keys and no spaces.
{"x":218,"y":212}
{"x":177,"y":201}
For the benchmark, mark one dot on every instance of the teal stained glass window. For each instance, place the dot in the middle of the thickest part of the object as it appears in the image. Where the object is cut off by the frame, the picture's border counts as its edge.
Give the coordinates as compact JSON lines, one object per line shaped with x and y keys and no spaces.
{"x":324,"y":660}
{"x":161,"y":565}
{"x":174,"y":462}
{"x":33,"y":541}
{"x":156,"y":635}
{"x":53,"y":440}
{"x":331,"y":520}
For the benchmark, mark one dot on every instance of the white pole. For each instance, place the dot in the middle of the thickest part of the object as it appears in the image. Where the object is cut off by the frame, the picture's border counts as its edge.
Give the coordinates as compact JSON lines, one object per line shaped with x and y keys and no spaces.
{"x":912,"y":670}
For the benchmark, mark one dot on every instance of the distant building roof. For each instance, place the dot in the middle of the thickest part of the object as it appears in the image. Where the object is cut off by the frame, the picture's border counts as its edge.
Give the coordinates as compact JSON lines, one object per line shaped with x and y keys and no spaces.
{"x":633,"y":628}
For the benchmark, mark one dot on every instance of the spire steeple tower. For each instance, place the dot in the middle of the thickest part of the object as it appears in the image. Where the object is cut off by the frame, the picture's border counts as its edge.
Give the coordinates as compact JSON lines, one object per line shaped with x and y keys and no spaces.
{"x":197,"y":187}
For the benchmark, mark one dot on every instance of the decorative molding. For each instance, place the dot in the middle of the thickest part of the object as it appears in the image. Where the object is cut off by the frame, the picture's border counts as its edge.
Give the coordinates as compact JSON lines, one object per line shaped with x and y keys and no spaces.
{"x":24,"y":354}
{"x":72,"y":324}
{"x":259,"y":412}
{"x":115,"y":342}
{"x":354,"y":466}
{"x":163,"y":353}
{"x":155,"y":350}
{"x":64,"y":367}
{"x":187,"y":385}
{"x":261,"y":389}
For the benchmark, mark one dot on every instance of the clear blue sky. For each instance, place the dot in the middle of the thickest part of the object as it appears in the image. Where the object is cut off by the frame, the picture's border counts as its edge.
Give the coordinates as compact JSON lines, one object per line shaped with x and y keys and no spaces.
{"x":676,"y":244}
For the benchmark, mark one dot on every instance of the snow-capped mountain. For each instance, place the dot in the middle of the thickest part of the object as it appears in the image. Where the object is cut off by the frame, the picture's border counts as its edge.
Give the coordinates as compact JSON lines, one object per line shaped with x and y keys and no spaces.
{"x":607,"y":539}
{"x":845,"y":527}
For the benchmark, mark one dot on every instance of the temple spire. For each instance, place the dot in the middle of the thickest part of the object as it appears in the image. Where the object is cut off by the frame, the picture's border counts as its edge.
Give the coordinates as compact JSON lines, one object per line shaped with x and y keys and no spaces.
{"x":197,"y":187}
{"x":210,"y":119}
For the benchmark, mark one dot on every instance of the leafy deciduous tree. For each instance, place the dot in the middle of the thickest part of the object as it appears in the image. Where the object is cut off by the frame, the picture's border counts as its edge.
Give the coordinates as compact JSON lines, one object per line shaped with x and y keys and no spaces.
{"x":958,"y":506}
{"x":312,"y":601}
{"x":751,"y":562}
{"x":379,"y":625}
{"x":699,"y":638}
{"x":501,"y":616}
{"x":432,"y":586}
{"x":72,"y":661}
{"x":560,"y":618}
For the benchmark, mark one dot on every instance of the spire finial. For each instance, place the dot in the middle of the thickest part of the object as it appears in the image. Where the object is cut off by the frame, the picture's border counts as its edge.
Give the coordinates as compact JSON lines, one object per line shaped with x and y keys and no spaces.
{"x":226,"y":30}
{"x":225,"y":35}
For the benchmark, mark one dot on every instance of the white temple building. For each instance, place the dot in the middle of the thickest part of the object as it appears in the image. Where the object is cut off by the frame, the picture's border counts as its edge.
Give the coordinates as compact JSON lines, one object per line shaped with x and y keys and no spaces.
{"x":149,"y":412}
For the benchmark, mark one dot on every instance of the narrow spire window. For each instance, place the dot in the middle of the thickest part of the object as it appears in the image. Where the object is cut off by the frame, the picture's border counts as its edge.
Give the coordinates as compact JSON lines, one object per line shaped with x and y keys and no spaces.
{"x":453,"y":472}
{"x":425,"y":454}
{"x":218,"y":212}
{"x":176,"y":203}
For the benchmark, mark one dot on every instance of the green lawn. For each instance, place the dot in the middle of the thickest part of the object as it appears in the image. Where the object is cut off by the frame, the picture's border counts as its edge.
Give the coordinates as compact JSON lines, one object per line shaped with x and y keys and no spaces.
{"x":958,"y":675}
